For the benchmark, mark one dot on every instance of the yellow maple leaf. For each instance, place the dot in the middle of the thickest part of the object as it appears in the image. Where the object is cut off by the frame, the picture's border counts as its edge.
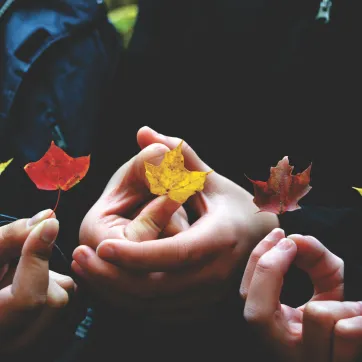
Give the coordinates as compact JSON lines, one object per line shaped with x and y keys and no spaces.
{"x":358,"y":189}
{"x":172,"y":178}
{"x":4,"y":165}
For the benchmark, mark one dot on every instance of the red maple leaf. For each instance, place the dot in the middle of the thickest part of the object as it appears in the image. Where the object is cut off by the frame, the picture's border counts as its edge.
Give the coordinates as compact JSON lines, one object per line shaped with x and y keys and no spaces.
{"x":283,"y":190}
{"x":57,"y":171}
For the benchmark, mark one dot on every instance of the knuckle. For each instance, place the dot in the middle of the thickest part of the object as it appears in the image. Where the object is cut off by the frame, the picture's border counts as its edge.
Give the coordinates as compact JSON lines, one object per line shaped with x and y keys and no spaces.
{"x":59,"y":302}
{"x":264,"y":267}
{"x":318,"y":312}
{"x":34,"y":302}
{"x":254,"y":257}
{"x":255,"y":316}
{"x":43,"y":253}
{"x":149,"y":223}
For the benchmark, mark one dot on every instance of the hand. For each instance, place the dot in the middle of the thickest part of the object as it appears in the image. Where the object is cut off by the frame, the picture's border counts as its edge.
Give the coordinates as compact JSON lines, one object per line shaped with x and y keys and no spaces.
{"x":126,"y":210}
{"x":31,"y":296}
{"x":325,"y":329}
{"x":184,"y":275}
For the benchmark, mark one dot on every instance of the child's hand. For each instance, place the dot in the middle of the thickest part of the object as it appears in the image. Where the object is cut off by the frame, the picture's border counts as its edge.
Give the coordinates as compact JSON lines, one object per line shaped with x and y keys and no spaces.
{"x":31,"y":296}
{"x":324,"y":329}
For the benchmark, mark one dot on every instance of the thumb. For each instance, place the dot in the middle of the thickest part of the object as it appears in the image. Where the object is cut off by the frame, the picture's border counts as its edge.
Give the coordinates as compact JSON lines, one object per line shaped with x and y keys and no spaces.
{"x":151,"y":221}
{"x":132,"y":175}
{"x":31,"y":278}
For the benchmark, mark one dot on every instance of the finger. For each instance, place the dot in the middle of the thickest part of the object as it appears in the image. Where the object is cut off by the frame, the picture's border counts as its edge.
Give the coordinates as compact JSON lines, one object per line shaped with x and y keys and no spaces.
{"x":178,"y":223}
{"x":132,"y":175}
{"x":319,"y":319}
{"x":265,"y":245}
{"x":57,"y":297}
{"x":100,"y":270}
{"x":264,"y":291}
{"x":152,"y":220}
{"x":184,"y":249}
{"x":156,"y":293}
{"x":148,"y":285}
{"x":147,"y":136}
{"x":347,"y":344}
{"x":123,"y":195}
{"x":64,"y":281}
{"x":13,"y":235}
{"x":323,"y":267}
{"x":31,"y":278}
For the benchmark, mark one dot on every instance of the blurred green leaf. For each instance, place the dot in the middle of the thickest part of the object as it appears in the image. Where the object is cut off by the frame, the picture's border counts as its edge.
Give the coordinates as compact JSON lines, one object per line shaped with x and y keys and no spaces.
{"x":124,"y":19}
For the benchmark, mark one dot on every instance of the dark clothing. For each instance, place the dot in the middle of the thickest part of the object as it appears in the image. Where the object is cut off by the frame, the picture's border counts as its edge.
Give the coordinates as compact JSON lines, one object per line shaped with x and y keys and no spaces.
{"x":57,"y":62}
{"x":245,"y":83}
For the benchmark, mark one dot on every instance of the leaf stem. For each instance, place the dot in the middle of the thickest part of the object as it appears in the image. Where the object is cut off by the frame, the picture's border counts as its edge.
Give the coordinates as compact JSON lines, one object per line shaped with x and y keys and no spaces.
{"x":56,"y":205}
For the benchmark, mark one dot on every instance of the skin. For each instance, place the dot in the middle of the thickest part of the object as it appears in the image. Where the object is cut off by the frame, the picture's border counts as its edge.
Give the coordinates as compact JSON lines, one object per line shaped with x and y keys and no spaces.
{"x":326,"y":328}
{"x":32,"y":298}
{"x":157,"y":263}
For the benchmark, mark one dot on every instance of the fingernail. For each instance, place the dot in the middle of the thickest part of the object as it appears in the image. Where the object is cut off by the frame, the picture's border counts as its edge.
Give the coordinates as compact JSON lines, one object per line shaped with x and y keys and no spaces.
{"x":48,"y":230}
{"x":284,"y":244}
{"x":40,"y":216}
{"x":105,"y":252}
{"x":275,"y":234}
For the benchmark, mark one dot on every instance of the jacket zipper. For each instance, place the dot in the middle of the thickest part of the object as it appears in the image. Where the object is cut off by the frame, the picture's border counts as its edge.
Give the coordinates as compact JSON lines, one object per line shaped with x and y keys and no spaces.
{"x":324,"y":11}
{"x":5,"y":7}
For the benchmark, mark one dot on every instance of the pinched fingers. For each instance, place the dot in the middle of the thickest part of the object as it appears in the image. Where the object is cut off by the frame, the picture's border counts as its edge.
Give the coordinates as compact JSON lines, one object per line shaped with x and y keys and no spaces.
{"x":131,"y":176}
{"x":147,"y":136}
{"x":31,"y":278}
{"x":263,"y":295}
{"x":13,"y":235}
{"x":325,"y":269}
{"x":24,"y":300}
{"x":265,"y":245}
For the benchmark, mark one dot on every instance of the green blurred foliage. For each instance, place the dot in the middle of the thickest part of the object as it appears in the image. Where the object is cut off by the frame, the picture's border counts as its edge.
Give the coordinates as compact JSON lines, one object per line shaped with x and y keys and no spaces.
{"x":123,"y":13}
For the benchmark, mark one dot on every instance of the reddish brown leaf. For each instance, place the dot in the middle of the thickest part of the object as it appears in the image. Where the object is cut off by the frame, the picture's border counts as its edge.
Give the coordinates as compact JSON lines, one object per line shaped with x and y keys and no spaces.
{"x":283,"y":190}
{"x":56,"y":170}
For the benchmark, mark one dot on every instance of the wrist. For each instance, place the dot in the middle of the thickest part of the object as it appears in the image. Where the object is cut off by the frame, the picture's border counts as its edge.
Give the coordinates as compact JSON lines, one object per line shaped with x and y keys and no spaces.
{"x":263,"y":223}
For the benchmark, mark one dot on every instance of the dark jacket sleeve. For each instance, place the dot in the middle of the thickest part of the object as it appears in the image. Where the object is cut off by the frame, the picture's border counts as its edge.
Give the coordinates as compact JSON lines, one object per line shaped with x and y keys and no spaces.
{"x":339,"y":229}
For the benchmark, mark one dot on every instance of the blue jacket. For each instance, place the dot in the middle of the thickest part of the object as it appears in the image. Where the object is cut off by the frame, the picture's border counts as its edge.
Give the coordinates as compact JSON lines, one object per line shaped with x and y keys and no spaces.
{"x":57,"y":60}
